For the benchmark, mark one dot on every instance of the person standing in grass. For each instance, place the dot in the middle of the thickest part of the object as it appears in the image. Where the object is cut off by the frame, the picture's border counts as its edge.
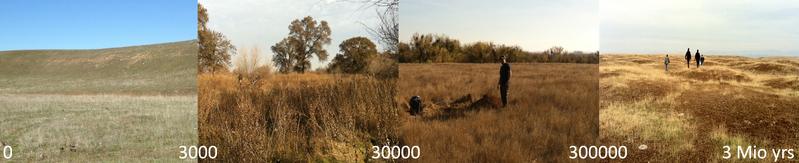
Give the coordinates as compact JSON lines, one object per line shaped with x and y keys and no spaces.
{"x":688,"y":57}
{"x":666,"y":62}
{"x":698,"y":59}
{"x":504,"y":77}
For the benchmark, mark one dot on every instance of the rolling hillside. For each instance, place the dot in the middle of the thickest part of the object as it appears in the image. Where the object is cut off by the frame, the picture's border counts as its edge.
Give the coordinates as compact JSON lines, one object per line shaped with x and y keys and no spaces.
{"x":167,"y":68}
{"x":128,"y":104}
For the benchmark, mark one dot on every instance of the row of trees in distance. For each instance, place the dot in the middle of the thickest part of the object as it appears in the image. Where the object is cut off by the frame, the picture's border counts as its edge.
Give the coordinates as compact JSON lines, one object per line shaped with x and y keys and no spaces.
{"x":429,"y":48}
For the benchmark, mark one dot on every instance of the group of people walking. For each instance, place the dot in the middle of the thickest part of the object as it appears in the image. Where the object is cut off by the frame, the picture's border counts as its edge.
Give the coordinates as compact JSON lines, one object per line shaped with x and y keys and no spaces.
{"x":699,"y":59}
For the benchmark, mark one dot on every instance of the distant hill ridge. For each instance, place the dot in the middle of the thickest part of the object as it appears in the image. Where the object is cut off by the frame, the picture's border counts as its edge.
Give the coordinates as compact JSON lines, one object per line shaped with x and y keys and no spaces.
{"x":165,"y":68}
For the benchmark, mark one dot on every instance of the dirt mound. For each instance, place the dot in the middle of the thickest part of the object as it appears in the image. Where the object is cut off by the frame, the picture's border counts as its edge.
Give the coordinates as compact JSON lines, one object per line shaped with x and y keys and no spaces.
{"x":642,"y":61}
{"x":708,"y":74}
{"x":637,"y":90}
{"x":711,"y":63}
{"x":736,"y":63}
{"x":487,"y":101}
{"x":609,"y":74}
{"x":460,"y":106}
{"x":466,"y":99}
{"x":790,"y":62}
{"x":773,"y":68}
{"x":613,"y":73}
{"x":782,"y":83}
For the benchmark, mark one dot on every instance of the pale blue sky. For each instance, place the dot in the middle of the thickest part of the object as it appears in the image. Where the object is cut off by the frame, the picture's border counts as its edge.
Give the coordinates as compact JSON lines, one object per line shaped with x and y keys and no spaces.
{"x":716,"y":27}
{"x":92,"y":24}
{"x":262,"y":23}
{"x":534,"y":25}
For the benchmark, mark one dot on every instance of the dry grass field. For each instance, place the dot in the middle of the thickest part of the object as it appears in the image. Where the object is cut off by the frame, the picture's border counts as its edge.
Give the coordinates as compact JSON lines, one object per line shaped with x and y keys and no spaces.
{"x":296,"y":117}
{"x":97,"y":128}
{"x":690,"y":114}
{"x":551,"y":106}
{"x":129,"y":104}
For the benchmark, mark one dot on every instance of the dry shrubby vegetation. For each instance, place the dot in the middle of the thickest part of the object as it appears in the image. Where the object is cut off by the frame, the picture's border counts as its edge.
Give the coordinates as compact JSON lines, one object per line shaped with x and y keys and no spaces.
{"x":689,"y":114}
{"x":429,"y":48}
{"x":551,"y":106}
{"x":250,"y":66}
{"x":252,"y":115}
{"x":335,"y":113}
{"x":296,"y":117}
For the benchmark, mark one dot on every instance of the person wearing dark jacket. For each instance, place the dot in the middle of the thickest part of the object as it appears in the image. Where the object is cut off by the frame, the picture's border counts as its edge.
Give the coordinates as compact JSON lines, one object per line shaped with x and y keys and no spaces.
{"x":416,"y":105}
{"x":688,"y":57}
{"x":698,"y":58}
{"x":702,"y":60}
{"x":504,"y":78}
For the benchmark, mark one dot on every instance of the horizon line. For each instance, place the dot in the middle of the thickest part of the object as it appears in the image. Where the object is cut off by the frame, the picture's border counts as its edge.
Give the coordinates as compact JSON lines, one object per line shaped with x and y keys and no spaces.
{"x":114,"y":47}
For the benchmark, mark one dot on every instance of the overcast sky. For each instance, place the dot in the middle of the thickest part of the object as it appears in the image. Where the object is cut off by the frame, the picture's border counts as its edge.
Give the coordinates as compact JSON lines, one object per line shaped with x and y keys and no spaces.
{"x":263,"y":23}
{"x":737,"y":27}
{"x":534,"y":25}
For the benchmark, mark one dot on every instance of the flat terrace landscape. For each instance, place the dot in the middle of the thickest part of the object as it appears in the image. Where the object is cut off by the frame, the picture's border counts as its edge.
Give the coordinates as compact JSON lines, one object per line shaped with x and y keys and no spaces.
{"x":119,"y":104}
{"x":689,"y":114}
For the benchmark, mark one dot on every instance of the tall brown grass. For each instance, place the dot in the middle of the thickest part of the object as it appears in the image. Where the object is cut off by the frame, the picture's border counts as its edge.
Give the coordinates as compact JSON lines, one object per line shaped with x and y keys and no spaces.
{"x":296,"y":117}
{"x":687,"y":115}
{"x":551,"y":106}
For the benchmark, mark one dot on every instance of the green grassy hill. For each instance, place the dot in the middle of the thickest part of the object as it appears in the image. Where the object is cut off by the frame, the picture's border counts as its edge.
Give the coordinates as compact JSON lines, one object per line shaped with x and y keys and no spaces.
{"x":167,"y":68}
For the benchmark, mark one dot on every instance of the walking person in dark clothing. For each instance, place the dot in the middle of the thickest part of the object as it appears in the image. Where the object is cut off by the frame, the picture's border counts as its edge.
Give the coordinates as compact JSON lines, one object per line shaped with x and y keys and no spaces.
{"x":688,"y":57}
{"x":698,"y":59}
{"x":504,"y":77}
{"x":702,"y":61}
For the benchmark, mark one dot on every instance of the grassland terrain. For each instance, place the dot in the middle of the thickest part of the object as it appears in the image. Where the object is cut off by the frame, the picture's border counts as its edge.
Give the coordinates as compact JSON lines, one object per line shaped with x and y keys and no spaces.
{"x":689,"y":114}
{"x":119,"y":104}
{"x":296,"y":117}
{"x":551,"y":106}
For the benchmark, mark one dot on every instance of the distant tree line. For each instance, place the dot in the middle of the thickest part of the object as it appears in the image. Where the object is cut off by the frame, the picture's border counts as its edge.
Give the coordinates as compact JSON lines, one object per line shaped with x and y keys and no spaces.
{"x":429,"y":48}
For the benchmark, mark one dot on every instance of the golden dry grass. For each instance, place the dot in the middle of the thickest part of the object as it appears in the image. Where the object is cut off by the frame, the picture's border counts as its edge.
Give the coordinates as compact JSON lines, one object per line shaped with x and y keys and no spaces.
{"x":689,"y":114}
{"x":551,"y":106}
{"x":296,"y":117}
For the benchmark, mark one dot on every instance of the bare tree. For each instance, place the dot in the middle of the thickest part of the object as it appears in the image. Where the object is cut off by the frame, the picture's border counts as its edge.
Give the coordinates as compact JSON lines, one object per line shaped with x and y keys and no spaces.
{"x":556,"y":50}
{"x":248,"y":60}
{"x":387,"y":30}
